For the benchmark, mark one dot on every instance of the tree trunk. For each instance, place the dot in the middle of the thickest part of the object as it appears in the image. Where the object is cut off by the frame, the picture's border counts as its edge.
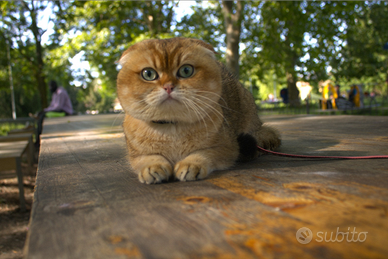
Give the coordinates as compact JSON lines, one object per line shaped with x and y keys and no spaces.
{"x":293,"y":92}
{"x":39,"y":75}
{"x":155,"y":17}
{"x":148,"y":14}
{"x":39,"y":64}
{"x":42,"y":89}
{"x":233,"y":22}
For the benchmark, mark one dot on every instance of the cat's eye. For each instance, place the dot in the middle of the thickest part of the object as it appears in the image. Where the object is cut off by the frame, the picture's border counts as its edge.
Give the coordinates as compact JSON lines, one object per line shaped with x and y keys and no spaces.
{"x":149,"y":74}
{"x":185,"y":71}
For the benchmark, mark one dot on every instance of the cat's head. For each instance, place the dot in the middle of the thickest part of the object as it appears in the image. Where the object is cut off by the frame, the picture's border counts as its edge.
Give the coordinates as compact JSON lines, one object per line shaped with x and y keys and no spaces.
{"x":175,"y":80}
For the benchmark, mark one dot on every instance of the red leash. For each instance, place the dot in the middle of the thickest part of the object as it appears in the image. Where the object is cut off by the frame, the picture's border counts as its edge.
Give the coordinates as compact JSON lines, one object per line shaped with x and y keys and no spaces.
{"x":324,"y":157}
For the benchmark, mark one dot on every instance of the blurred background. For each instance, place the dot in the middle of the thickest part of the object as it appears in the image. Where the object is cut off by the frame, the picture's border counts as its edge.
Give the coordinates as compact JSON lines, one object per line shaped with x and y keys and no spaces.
{"x":293,"y":49}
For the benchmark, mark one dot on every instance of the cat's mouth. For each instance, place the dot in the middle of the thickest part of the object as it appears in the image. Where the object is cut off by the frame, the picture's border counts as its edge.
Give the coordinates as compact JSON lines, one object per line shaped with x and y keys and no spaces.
{"x":169,"y":99}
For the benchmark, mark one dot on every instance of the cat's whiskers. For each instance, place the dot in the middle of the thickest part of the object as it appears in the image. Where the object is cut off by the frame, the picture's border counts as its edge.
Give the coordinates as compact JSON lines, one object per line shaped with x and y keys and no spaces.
{"x":208,"y":92}
{"x":201,"y":107}
{"x":220,"y":97}
{"x":216,"y":112}
{"x":140,"y":101}
{"x":187,"y":95}
{"x":141,"y":104}
{"x":211,"y":108}
{"x":116,"y":117}
{"x":193,"y":107}
{"x":222,"y":115}
{"x":141,"y":109}
{"x":198,"y":110}
{"x":204,"y":112}
{"x":153,"y":100}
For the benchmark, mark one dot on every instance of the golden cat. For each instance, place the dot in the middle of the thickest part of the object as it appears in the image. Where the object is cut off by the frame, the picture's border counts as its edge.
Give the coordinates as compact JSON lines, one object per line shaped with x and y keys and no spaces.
{"x":185,"y":114}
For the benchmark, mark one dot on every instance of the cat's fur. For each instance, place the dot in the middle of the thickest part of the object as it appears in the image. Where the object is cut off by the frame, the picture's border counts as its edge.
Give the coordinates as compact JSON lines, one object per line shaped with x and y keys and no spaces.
{"x":185,"y":128}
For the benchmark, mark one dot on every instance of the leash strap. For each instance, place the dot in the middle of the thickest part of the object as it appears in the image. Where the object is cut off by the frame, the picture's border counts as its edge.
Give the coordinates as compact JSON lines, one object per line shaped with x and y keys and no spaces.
{"x":320,"y":157}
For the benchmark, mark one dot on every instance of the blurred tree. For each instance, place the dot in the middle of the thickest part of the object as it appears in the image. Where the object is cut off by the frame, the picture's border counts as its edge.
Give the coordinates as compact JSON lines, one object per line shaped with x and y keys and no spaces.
{"x":20,"y":24}
{"x":204,"y":23}
{"x":294,"y":40}
{"x":103,"y":36}
{"x":364,"y":35}
{"x":220,"y":24}
{"x":282,"y":36}
{"x":233,"y":16}
{"x":158,"y":16}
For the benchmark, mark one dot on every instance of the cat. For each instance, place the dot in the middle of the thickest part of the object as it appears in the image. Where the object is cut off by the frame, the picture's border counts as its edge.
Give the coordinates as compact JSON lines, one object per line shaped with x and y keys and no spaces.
{"x":186,"y":115}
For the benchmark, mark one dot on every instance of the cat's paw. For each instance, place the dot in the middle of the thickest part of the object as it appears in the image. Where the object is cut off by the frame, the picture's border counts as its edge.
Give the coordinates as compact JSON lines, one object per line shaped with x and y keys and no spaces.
{"x":156,"y":173}
{"x":189,"y":172}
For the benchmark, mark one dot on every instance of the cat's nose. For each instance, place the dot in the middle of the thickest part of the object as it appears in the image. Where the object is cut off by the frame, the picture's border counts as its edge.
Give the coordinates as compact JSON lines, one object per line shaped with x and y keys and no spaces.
{"x":168,"y":87}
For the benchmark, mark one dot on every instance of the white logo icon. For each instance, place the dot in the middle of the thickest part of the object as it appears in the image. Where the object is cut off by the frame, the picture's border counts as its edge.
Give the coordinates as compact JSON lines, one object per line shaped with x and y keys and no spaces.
{"x":304,"y":235}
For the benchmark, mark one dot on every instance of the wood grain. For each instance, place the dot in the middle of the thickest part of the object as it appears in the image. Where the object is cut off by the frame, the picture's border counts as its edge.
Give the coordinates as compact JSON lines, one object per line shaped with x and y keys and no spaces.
{"x":11,"y":151}
{"x":88,"y":203}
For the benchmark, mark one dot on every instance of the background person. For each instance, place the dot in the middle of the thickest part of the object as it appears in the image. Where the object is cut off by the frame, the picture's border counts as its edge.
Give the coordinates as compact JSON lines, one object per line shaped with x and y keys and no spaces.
{"x":60,"y":102}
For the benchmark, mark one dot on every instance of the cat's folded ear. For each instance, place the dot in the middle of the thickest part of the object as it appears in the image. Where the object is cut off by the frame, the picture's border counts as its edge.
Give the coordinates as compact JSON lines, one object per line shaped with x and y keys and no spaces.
{"x":204,"y":44}
{"x":184,"y":41}
{"x":125,"y":56}
{"x":128,"y":53}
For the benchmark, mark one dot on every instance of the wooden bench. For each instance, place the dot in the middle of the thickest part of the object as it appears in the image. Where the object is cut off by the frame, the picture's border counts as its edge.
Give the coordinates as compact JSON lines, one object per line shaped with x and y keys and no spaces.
{"x":27,"y":121}
{"x":11,"y":159}
{"x":21,"y":131}
{"x":30,"y":147}
{"x":89,"y":204}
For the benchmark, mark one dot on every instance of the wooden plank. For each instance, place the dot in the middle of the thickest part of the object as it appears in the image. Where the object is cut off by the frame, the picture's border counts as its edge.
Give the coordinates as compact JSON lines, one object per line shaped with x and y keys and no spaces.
{"x":18,"y":120}
{"x":88,"y":203}
{"x":30,"y":148}
{"x":7,"y":164}
{"x":82,"y":125}
{"x":19,"y":175}
{"x":29,"y":123}
{"x":12,"y":149}
{"x":15,"y":137}
{"x":10,"y":159}
{"x":21,"y":131}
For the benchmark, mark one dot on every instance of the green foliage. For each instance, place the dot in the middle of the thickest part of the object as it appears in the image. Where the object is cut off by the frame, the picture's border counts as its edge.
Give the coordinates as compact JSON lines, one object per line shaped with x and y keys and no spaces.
{"x":98,"y":97}
{"x":20,"y":26}
{"x":26,"y":95}
{"x":206,"y":23}
{"x":306,"y":40}
{"x":7,"y":127}
{"x":366,"y":34}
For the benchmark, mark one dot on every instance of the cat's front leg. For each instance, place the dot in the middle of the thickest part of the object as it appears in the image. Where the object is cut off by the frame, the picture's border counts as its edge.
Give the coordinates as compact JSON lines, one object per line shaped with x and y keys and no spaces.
{"x":200,"y":164}
{"x":152,"y":168}
{"x":187,"y":171}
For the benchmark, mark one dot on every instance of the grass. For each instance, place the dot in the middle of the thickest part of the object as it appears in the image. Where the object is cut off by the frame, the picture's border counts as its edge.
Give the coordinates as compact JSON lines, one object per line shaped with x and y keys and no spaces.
{"x":6,"y":127}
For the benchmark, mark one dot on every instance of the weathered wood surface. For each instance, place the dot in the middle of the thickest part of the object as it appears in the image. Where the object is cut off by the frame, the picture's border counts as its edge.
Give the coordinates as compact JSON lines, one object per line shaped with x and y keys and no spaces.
{"x":20,"y":137}
{"x":88,"y":204}
{"x":16,"y":132}
{"x":11,"y":159}
{"x":12,"y":148}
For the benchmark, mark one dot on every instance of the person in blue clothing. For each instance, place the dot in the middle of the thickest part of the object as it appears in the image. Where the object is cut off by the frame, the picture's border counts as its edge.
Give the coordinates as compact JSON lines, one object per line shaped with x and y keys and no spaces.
{"x":284,"y":95}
